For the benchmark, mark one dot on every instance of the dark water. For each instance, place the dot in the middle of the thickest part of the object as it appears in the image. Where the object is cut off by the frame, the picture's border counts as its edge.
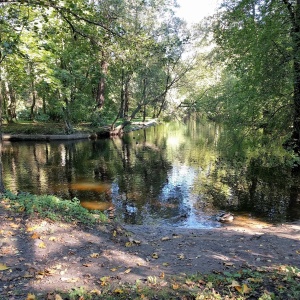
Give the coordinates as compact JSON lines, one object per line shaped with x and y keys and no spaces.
{"x":175,"y":174}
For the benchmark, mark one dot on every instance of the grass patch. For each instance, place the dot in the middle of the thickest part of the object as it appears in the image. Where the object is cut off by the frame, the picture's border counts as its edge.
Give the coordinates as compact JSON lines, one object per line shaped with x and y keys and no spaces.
{"x":52,"y":207}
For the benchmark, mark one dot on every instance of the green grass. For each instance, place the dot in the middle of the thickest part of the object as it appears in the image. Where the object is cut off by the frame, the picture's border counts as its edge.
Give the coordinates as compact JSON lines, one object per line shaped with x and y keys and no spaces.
{"x":52,"y":207}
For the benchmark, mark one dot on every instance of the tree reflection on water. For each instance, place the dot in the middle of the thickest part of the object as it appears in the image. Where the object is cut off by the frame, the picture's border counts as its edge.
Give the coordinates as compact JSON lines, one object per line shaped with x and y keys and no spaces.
{"x":179,"y":174}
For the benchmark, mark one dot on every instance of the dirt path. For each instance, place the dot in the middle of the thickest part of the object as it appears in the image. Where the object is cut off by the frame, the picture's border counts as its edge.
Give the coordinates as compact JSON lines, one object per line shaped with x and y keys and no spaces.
{"x":42,"y":256}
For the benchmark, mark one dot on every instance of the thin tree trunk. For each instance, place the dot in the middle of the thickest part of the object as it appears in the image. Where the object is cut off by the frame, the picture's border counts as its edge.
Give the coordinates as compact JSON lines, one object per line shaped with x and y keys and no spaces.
{"x":100,"y":97}
{"x":2,"y":189}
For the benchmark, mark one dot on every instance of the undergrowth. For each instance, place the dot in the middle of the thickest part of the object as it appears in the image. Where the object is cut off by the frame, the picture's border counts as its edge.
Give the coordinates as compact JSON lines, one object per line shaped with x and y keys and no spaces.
{"x":52,"y":207}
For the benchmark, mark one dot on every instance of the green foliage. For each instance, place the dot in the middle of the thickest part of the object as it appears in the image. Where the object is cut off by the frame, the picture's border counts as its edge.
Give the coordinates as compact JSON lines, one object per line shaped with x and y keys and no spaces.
{"x":60,"y":61}
{"x":52,"y":207}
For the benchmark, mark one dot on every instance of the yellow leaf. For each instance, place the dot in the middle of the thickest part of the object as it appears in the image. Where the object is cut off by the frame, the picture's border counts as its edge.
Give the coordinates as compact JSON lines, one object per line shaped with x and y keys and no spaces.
{"x":32,"y":228}
{"x":180,"y":256}
{"x":3,"y":267}
{"x":95,"y":255}
{"x":30,"y":297}
{"x":165,"y":238}
{"x":175,"y":286}
{"x":165,"y":264}
{"x":155,"y":255}
{"x":41,"y":245}
{"x":118,"y":291}
{"x":114,"y":269}
{"x":298,"y":251}
{"x":239,"y":289}
{"x":246,"y":289}
{"x":114,"y":233}
{"x":21,"y":209}
{"x":128,"y":244}
{"x":234,"y":283}
{"x":52,"y":238}
{"x":35,"y":236}
{"x":162,"y":275}
{"x":127,"y":271}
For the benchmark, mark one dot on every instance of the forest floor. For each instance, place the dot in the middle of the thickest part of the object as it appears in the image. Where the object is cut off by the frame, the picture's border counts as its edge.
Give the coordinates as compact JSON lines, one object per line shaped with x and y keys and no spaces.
{"x":40,"y":256}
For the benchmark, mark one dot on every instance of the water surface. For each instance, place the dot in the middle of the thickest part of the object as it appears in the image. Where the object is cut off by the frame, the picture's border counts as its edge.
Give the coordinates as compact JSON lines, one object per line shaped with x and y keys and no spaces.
{"x":174,"y":174}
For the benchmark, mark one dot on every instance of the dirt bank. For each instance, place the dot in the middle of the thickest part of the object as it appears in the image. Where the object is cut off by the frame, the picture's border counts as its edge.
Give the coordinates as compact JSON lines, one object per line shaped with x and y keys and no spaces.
{"x":42,"y":256}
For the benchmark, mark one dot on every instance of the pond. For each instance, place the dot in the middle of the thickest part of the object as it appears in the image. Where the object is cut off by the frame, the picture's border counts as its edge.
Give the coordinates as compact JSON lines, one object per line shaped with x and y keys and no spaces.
{"x":177,"y":174}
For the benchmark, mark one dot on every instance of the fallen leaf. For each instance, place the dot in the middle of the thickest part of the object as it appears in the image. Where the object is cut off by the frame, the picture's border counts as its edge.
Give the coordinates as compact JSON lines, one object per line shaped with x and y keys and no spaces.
{"x":35,"y":236}
{"x":175,"y":286}
{"x":154,"y":255}
{"x":52,"y":238}
{"x":228,"y":264}
{"x":162,"y":275}
{"x":32,"y":228}
{"x":3,"y":267}
{"x":118,"y":291}
{"x":30,"y":297}
{"x":114,"y":269}
{"x":165,"y":264}
{"x":180,"y":256}
{"x":127,"y":271}
{"x":234,"y":283}
{"x":128,"y":244}
{"x":95,"y":255}
{"x":41,"y":245}
{"x":165,"y":238}
{"x":246,"y":289}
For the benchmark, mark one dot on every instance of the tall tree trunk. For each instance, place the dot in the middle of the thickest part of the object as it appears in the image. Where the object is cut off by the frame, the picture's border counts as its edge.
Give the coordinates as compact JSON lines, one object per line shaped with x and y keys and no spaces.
{"x":33,"y":99}
{"x":100,"y":96}
{"x":294,"y":12}
{"x":2,"y":189}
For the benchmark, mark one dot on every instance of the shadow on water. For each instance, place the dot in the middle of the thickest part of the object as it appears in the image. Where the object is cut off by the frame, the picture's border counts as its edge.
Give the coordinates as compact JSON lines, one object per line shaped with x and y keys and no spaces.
{"x":174,"y":174}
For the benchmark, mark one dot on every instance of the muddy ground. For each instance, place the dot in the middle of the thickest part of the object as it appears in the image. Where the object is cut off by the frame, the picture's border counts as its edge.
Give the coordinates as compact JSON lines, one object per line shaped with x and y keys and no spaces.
{"x":40,"y":256}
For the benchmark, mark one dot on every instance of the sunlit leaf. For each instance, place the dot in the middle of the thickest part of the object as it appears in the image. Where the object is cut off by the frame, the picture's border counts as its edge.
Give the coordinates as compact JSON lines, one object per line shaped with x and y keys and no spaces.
{"x":35,"y":236}
{"x":113,"y":269}
{"x":127,"y":271}
{"x":3,"y":267}
{"x":30,"y":297}
{"x":95,"y":255}
{"x":118,"y":291}
{"x":165,"y":238}
{"x":52,"y":238}
{"x":180,"y":256}
{"x":41,"y":245}
{"x":128,"y":244}
{"x":162,"y":275}
{"x":165,"y":264}
{"x":175,"y":286}
{"x":246,"y":289}
{"x":234,"y":283}
{"x":154,"y":255}
{"x":32,"y":228}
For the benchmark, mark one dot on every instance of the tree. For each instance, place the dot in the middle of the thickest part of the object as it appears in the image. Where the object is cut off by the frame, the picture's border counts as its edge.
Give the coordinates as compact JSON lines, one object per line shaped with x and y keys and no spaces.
{"x":257,"y":54}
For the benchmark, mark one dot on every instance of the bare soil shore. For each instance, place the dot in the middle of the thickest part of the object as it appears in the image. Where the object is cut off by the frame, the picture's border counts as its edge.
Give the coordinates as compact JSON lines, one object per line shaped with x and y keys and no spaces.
{"x":40,"y":256}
